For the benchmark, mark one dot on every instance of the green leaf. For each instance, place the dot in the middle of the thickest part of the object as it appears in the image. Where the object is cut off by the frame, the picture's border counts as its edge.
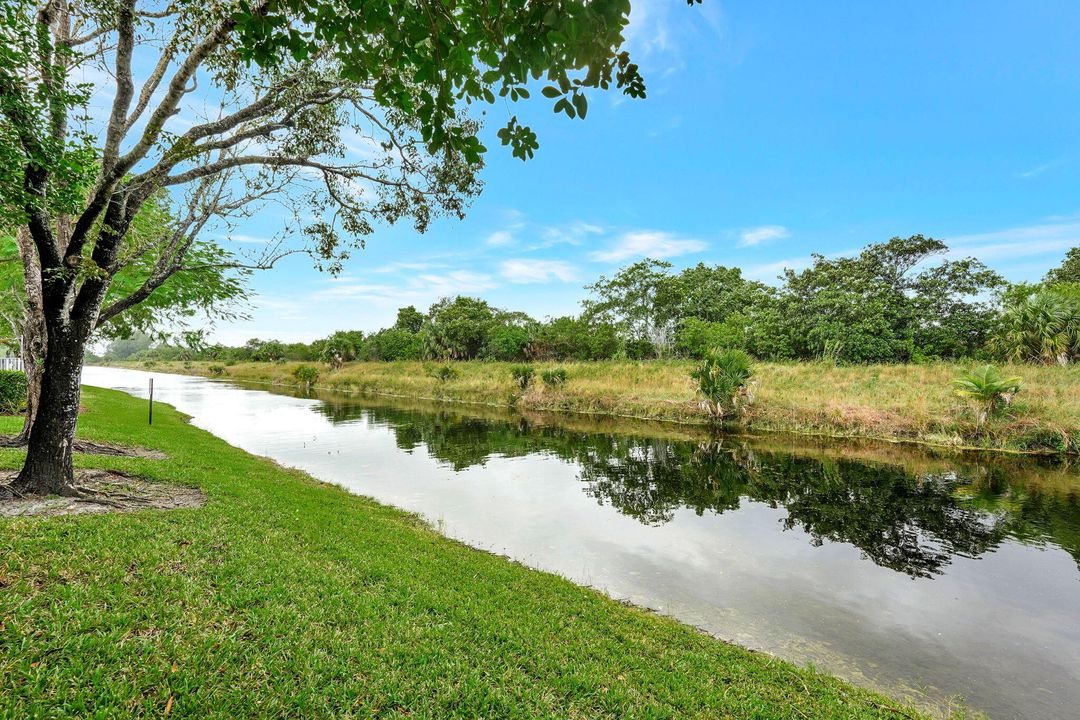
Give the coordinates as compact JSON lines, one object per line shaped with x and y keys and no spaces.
{"x":581,"y":104}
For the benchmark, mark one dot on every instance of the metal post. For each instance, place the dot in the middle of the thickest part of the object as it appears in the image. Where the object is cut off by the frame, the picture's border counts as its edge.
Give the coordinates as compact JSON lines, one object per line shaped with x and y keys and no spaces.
{"x":150,"y":418}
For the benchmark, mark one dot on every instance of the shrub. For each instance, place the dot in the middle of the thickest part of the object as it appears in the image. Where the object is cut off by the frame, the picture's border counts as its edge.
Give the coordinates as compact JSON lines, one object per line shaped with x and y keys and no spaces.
{"x":695,"y":337}
{"x":507,"y":342}
{"x":216,"y":370}
{"x":12,"y":391}
{"x":640,"y":349}
{"x":988,"y":389}
{"x":724,"y":380}
{"x":523,"y":375}
{"x":556,"y":377}
{"x":306,"y":374}
{"x":443,"y":373}
{"x":568,"y":338}
{"x":390,"y":345}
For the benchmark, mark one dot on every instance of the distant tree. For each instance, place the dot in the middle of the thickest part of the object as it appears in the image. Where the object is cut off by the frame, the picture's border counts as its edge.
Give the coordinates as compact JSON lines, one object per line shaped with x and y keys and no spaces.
{"x":641,"y":299}
{"x":696,"y":338}
{"x":1040,"y":325}
{"x":265,"y":350}
{"x":955,"y":309}
{"x":409,"y":319}
{"x":507,"y":342}
{"x":458,"y":328}
{"x":391,"y":344}
{"x":875,"y":308}
{"x":568,"y":338}
{"x":341,"y":347}
{"x":124,"y":348}
{"x":713,"y":294}
{"x":298,"y":351}
{"x":1068,"y":271}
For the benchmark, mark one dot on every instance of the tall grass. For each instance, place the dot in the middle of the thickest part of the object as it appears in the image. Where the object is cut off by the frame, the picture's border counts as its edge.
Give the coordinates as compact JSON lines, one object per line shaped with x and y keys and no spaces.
{"x":899,"y":402}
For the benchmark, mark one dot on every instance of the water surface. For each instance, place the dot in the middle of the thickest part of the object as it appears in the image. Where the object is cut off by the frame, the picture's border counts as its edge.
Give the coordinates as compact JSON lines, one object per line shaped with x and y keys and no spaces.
{"x":926,"y":577}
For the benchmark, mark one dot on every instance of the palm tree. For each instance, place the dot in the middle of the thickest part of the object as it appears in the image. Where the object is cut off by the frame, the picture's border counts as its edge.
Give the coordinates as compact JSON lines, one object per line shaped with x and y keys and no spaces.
{"x":990,"y":390}
{"x":1042,"y":328}
{"x":724,"y":379}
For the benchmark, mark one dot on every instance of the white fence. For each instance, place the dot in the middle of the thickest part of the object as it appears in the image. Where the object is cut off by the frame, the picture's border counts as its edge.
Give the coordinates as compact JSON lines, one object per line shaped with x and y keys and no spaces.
{"x":11,"y":363}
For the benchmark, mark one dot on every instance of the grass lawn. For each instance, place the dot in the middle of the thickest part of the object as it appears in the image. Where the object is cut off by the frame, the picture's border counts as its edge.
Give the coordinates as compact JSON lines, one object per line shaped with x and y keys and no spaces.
{"x":284,"y":597}
{"x":893,"y":402}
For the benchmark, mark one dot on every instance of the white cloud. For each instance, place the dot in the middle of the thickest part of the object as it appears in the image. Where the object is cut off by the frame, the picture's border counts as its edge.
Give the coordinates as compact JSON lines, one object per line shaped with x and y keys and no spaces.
{"x":455,"y":283}
{"x":421,"y":289}
{"x":1040,"y":169}
{"x":1006,"y":250}
{"x":523,"y":271}
{"x":399,"y":266}
{"x":1040,"y":239}
{"x":500,"y":238}
{"x":571,"y":234}
{"x":647,"y":243}
{"x":755,"y":236}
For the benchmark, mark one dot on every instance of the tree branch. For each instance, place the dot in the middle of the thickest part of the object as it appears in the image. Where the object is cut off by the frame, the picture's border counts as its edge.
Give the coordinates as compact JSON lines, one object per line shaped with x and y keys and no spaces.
{"x":348,"y":171}
{"x":125,"y":88}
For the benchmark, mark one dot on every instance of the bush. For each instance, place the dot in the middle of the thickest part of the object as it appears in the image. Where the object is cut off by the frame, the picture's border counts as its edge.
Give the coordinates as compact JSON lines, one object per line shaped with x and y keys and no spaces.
{"x":640,"y":349}
{"x":988,"y":389}
{"x":390,"y":345}
{"x":306,"y":375}
{"x":724,"y":379}
{"x":507,"y":342}
{"x":556,"y":377}
{"x":216,"y":370}
{"x":568,"y":338}
{"x":695,"y":337}
{"x":12,"y":391}
{"x":444,"y":373}
{"x":523,"y":375}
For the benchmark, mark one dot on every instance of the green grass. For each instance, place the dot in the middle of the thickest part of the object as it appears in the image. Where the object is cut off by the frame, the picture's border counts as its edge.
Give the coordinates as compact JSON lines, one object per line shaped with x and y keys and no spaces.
{"x":285,"y":597}
{"x":913,"y":403}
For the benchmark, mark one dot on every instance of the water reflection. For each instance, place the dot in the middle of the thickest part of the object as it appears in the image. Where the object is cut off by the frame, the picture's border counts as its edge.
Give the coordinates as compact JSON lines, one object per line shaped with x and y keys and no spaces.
{"x":913,"y":523}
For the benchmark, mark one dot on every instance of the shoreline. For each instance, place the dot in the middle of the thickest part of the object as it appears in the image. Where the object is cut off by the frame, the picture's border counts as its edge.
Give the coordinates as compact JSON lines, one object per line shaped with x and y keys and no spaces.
{"x":790,"y":399}
{"x":277,"y":579}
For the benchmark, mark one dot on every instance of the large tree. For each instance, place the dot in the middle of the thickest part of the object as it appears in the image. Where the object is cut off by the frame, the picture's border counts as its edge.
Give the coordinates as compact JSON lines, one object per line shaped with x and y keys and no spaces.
{"x":349,"y":113}
{"x":892,"y":301}
{"x":207,"y":285}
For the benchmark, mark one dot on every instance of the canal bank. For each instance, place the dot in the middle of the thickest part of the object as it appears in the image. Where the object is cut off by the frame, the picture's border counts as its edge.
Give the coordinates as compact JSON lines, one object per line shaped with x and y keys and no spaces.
{"x":913,"y":404}
{"x":284,"y":596}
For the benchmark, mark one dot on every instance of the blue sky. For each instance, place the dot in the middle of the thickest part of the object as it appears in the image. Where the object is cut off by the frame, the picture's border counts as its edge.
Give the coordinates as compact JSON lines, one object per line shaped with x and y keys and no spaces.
{"x":771,"y":131}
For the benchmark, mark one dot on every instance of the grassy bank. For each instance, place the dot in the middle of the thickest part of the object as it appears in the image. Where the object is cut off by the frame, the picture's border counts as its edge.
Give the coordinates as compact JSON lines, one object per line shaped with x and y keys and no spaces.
{"x":912,"y":403}
{"x":284,"y":597}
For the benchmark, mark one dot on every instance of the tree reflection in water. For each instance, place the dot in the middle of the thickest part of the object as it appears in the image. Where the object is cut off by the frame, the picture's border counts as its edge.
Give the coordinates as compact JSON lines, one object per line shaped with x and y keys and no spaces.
{"x":913,"y":523}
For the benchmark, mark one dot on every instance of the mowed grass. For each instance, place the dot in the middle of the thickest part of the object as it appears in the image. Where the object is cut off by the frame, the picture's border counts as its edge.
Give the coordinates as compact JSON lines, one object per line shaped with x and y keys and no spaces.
{"x":895,"y":402}
{"x":285,"y":597}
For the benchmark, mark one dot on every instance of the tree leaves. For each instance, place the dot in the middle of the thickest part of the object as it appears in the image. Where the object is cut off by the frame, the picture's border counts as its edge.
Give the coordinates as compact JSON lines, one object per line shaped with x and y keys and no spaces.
{"x":476,"y":51}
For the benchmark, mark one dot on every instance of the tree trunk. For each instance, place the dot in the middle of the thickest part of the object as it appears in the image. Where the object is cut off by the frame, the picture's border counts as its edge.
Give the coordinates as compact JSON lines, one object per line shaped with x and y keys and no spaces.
{"x":34,"y":333}
{"x":32,"y":352}
{"x":48,"y":468}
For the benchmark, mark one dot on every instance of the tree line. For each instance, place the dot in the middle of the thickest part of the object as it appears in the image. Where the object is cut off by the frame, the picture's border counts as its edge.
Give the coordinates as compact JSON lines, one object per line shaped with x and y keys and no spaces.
{"x":900,"y":301}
